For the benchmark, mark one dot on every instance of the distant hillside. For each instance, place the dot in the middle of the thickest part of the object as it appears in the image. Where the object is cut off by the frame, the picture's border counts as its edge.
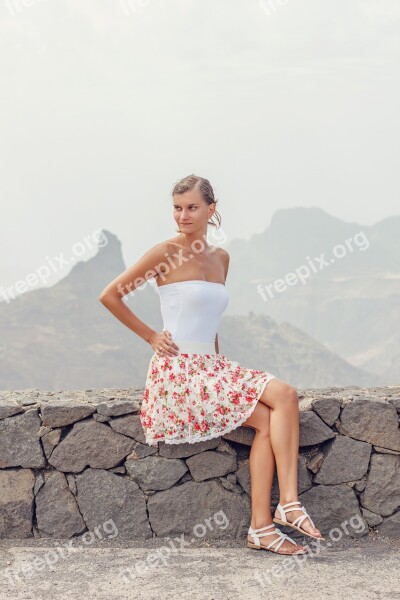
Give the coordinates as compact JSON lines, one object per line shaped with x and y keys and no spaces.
{"x":351,"y":305}
{"x":257,"y":341}
{"x":63,"y":335}
{"x":63,"y":338}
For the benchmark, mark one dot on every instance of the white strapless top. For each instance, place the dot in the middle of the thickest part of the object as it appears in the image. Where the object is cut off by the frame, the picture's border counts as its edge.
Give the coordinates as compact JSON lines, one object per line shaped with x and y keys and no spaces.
{"x":191,"y":311}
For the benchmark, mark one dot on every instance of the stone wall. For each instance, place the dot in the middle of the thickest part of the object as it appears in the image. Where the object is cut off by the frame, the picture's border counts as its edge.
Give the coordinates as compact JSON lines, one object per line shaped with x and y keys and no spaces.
{"x":72,"y":461}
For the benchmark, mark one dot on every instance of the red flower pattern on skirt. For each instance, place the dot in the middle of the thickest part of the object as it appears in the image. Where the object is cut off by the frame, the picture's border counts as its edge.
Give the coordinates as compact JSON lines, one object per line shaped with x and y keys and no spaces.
{"x":196,"y":397}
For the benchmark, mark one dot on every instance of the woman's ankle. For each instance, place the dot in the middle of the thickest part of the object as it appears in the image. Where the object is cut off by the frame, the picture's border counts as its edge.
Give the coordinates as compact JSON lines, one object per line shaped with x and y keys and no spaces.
{"x":256,"y":523}
{"x":293,"y":498}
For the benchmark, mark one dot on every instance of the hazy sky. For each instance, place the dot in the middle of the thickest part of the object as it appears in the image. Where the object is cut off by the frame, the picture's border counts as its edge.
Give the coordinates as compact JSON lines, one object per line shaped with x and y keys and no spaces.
{"x":106,"y":103}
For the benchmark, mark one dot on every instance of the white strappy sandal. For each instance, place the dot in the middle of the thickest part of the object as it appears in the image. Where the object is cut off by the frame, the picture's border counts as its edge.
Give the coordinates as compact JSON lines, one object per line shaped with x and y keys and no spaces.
{"x":282,"y":537}
{"x":296,"y":524}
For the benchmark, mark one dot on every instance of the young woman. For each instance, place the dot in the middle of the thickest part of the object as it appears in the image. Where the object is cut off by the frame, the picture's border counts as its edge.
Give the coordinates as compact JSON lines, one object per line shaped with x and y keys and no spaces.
{"x":193,"y":393}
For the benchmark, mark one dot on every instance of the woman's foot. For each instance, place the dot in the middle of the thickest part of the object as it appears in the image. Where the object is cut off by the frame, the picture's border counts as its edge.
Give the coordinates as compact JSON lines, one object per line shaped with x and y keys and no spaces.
{"x":285,"y":548}
{"x":292,"y":515}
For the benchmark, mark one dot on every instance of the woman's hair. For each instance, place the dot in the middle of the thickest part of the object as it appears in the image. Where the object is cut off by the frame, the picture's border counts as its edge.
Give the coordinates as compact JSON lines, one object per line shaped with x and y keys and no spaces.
{"x":193,"y":182}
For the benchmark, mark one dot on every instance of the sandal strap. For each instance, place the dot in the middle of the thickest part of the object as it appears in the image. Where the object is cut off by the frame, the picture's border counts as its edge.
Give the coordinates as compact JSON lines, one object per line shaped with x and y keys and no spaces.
{"x":256,"y":535}
{"x":290,"y":504}
{"x":281,"y":509}
{"x":299,"y":520}
{"x":279,"y":540}
{"x":261,"y":528}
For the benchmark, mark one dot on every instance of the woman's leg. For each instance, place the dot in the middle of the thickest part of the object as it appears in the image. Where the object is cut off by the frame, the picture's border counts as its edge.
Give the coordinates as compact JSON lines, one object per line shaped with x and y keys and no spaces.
{"x":262,"y":467}
{"x":283,"y":401}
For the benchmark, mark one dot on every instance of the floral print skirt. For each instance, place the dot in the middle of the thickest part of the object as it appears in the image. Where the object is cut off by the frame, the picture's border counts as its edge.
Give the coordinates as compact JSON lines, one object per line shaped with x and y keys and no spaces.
{"x":193,"y":397}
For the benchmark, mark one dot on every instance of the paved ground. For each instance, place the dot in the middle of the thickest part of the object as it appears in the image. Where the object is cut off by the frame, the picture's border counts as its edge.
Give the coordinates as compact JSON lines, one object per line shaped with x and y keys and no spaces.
{"x":47,"y":570}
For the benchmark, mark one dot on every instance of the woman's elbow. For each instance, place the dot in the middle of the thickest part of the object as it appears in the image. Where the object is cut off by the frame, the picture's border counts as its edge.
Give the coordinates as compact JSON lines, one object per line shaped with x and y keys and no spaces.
{"x":111,"y":294}
{"x":104,"y":297}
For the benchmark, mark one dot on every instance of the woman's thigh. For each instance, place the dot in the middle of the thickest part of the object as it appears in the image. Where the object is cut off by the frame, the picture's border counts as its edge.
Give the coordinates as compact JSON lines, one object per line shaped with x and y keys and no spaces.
{"x":278,"y":393}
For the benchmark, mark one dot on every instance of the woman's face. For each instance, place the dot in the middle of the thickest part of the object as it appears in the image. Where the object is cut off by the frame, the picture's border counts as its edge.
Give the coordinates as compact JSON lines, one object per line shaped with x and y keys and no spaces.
{"x":191,"y":212}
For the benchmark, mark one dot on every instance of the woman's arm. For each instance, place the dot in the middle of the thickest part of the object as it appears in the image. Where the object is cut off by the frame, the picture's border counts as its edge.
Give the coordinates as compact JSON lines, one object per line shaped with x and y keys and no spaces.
{"x":143,"y":270}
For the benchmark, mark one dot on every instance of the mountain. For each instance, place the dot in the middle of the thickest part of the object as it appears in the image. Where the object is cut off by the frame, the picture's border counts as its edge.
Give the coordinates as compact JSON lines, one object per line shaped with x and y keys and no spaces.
{"x":62,"y":337}
{"x":258,"y":342}
{"x":349,"y":295}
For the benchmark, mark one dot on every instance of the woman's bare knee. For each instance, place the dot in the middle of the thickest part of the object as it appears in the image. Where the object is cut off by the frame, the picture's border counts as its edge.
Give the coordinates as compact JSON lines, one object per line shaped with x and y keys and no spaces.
{"x":278,"y":393}
{"x":291,"y":394}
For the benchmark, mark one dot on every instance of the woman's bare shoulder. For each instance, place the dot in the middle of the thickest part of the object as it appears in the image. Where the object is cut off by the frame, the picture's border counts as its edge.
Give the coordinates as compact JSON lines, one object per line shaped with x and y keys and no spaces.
{"x":173,"y":245}
{"x":222,"y":251}
{"x":165,"y":246}
{"x":224,"y":254}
